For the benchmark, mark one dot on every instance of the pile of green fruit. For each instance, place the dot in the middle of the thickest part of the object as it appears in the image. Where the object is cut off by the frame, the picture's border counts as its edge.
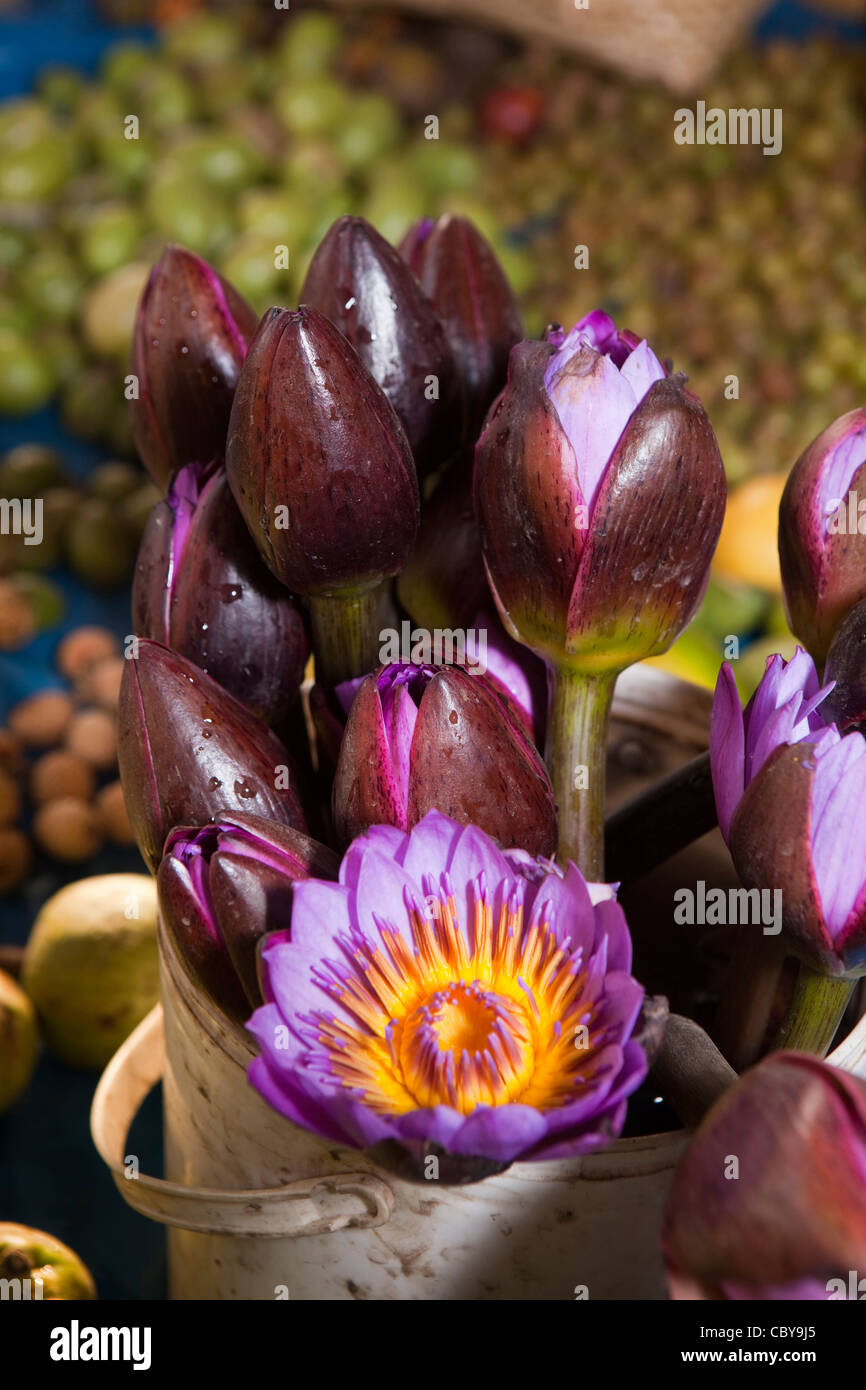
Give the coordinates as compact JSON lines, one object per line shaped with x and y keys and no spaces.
{"x":94,"y":530}
{"x":255,"y":131}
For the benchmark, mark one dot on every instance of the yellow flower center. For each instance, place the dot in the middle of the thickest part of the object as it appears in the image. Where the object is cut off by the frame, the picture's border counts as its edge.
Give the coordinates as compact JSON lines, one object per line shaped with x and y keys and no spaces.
{"x":438,"y":1023}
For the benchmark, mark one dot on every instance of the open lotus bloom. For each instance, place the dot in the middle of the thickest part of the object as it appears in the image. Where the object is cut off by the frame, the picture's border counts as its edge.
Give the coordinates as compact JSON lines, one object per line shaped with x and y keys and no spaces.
{"x":769,"y":1199}
{"x":451,"y":998}
{"x":785,"y":708}
{"x":420,"y":738}
{"x":600,"y":493}
{"x":822,"y":532}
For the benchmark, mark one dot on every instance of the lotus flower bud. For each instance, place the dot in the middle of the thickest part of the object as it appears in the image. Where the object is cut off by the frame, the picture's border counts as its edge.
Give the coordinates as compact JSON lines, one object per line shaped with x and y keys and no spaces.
{"x":421,"y":737}
{"x":444,"y":582}
{"x":201,"y":588}
{"x":799,"y":829}
{"x":223,"y":887}
{"x":846,"y":672}
{"x":362,"y":284}
{"x":189,"y":752}
{"x":787,"y":707}
{"x":191,"y":336}
{"x":466,"y":285}
{"x":600,"y":494}
{"x":318,"y":461}
{"x":793,"y":1224}
{"x":822,"y":532}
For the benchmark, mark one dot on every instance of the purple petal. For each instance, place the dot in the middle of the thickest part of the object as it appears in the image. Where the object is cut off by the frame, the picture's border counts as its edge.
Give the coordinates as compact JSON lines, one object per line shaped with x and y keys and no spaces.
{"x":727,"y":748}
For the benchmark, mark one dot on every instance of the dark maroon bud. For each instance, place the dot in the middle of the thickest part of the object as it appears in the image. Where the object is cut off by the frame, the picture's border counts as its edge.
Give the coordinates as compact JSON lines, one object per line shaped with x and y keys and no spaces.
{"x":189,"y":752}
{"x":202,"y":589}
{"x":363,"y":285}
{"x":191,"y":336}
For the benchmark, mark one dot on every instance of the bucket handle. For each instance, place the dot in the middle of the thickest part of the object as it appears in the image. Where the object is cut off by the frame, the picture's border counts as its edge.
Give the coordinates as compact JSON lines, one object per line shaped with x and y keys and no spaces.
{"x":310,"y":1207}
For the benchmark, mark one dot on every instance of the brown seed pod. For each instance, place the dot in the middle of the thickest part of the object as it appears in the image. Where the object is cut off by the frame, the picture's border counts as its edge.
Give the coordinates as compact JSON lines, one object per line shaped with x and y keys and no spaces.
{"x":100,"y":684}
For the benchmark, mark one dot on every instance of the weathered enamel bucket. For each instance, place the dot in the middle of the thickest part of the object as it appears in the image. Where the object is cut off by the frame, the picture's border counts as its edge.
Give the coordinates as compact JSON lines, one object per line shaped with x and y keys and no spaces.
{"x":259,"y":1209}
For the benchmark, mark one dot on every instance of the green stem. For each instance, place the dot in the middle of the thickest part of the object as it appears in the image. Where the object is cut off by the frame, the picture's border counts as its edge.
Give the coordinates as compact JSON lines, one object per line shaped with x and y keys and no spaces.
{"x":576,"y":744}
{"x":814,"y":1013}
{"x":347,"y":632}
{"x":747,"y":996}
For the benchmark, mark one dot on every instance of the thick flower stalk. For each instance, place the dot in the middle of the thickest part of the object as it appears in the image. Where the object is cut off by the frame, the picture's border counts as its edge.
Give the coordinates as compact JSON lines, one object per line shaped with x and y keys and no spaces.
{"x":420,"y":738}
{"x":189,"y":752}
{"x":201,"y":588}
{"x":459,"y":273}
{"x":323,"y":475}
{"x":600,"y":493}
{"x":451,"y":998}
{"x":191,"y":336}
{"x":822,"y":532}
{"x":222,"y":887}
{"x":362,"y":284}
{"x":790,"y":1222}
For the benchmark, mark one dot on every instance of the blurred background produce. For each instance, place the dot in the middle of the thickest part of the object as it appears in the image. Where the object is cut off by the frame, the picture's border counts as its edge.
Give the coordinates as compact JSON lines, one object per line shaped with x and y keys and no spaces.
{"x":255,"y":129}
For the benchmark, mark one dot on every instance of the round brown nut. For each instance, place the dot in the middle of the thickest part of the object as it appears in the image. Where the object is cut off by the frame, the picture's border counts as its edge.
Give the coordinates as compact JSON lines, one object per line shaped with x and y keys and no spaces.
{"x":10,"y":798}
{"x":11,"y":752}
{"x":18,"y":623}
{"x":92,"y":735}
{"x":61,"y":773}
{"x":41,"y":720}
{"x":84,"y":647}
{"x":113,"y":815}
{"x":68,"y":829}
{"x":16,"y":858}
{"x":100,"y":684}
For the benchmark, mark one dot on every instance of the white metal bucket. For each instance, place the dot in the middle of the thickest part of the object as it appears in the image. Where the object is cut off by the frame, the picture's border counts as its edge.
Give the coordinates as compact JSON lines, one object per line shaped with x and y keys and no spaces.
{"x":260,"y":1209}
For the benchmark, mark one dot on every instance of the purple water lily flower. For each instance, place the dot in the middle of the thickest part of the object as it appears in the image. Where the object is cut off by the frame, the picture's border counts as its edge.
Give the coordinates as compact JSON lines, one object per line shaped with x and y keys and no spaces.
{"x":783,"y":709}
{"x":422,"y":737}
{"x":440,"y":996}
{"x":822,"y":532}
{"x":222,"y":887}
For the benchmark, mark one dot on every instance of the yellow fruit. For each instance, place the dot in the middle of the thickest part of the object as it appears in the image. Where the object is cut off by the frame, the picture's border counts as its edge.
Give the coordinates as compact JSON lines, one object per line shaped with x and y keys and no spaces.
{"x":748,"y":548}
{"x":19,"y":1041}
{"x":90,"y":966}
{"x":36,"y":1266}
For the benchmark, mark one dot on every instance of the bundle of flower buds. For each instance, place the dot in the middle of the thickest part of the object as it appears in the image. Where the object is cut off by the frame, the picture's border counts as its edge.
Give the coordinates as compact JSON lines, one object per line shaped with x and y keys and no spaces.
{"x":397,"y":863}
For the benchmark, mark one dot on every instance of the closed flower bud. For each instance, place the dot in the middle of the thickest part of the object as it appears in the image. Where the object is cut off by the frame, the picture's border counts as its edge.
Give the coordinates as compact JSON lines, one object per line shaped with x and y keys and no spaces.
{"x":421,"y":737}
{"x":362,"y":284}
{"x":191,"y":336}
{"x":222,"y":887}
{"x":466,"y":285}
{"x":202,"y":589}
{"x":822,"y":532}
{"x":768,"y":1201}
{"x":600,"y":494}
{"x":189,"y":752}
{"x":318,"y":461}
